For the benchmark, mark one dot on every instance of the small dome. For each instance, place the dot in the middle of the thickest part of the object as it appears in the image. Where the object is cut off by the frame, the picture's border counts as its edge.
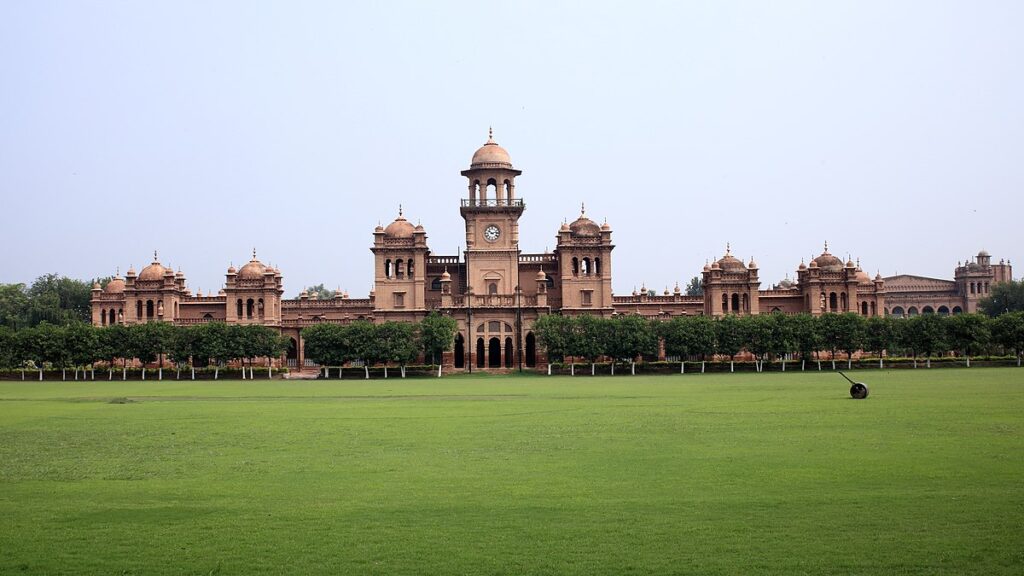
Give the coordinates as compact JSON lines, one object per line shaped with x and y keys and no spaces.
{"x":154,"y":271}
{"x":862,"y":277}
{"x":220,"y":292}
{"x":814,"y":264}
{"x":419,"y":228}
{"x":752,"y":265}
{"x":541,"y":276}
{"x":445,"y":276}
{"x":95,"y":285}
{"x":706,"y":267}
{"x":785,"y":284}
{"x":667,"y":293}
{"x":232,"y":270}
{"x":850,"y":264}
{"x":984,"y":253}
{"x":115,"y":286}
{"x":378,"y":229}
{"x":490,"y":155}
{"x":802,"y":266}
{"x":878,"y":277}
{"x":828,"y":262}
{"x":677,"y":290}
{"x":716,"y":266}
{"x":565,"y":227}
{"x":131,"y":270}
{"x":606,"y":227}
{"x":179,"y":274}
{"x":400,"y":228}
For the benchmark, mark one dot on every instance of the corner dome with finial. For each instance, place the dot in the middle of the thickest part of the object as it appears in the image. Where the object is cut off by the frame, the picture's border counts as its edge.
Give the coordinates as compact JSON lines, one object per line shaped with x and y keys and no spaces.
{"x":446,"y":276}
{"x":400,"y":228}
{"x":729,"y":262}
{"x":490,"y":155}
{"x":541,"y":276}
{"x":116,"y":285}
{"x":155,"y":271}
{"x":827,"y":261}
{"x":253,"y":270}
{"x":584,"y":226}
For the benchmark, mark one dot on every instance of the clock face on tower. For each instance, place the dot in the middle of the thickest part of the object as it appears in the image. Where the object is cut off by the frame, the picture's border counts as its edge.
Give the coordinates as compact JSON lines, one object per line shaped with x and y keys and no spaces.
{"x":491,"y":233}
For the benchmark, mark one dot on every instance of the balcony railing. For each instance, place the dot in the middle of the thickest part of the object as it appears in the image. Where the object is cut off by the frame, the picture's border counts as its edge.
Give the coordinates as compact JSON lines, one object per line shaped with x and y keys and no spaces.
{"x":492,"y":203}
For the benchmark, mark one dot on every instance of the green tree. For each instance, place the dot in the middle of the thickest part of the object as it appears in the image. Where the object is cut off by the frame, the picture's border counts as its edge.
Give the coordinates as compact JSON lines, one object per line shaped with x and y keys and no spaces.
{"x":30,"y":348}
{"x":437,"y":336}
{"x":967,"y":332}
{"x":1008,"y":331}
{"x":925,"y":334}
{"x":213,"y":344}
{"x":880,"y":336}
{"x":842,"y":332}
{"x":114,"y":342}
{"x":590,"y":339}
{"x":59,"y":300}
{"x":181,"y":347}
{"x":325,"y":344}
{"x":362,"y":344}
{"x":782,"y":340}
{"x":757,"y":336}
{"x":556,"y":334}
{"x":677,"y":336}
{"x":807,"y":333}
{"x":8,"y":348}
{"x":270,"y":344}
{"x":396,"y":342}
{"x":14,"y":306}
{"x":628,"y":336}
{"x":1003,"y":297}
{"x":729,"y":337}
{"x":82,"y":344}
{"x":695,"y":287}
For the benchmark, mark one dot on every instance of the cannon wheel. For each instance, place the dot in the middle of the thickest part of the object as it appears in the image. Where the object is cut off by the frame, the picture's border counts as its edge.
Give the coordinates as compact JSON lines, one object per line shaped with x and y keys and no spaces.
{"x":858,"y":391}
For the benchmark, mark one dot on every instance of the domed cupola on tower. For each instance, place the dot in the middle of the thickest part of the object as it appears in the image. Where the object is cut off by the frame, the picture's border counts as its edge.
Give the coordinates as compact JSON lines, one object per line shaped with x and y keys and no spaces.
{"x":400,"y":258}
{"x":253,"y":294}
{"x":730,"y":286}
{"x":585,"y":259}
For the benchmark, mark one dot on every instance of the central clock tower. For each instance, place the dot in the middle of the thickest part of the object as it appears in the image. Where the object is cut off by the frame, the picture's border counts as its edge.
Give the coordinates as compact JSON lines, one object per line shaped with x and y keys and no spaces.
{"x":492,"y":214}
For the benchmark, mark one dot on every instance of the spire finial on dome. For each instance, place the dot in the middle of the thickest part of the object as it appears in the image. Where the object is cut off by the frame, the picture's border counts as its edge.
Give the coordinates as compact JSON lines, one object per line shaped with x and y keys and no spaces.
{"x":583,"y":208}
{"x":117,"y":272}
{"x":826,"y":246}
{"x":154,"y":256}
{"x":253,"y":252}
{"x":490,"y":133}
{"x":728,"y":248}
{"x":399,"y":210}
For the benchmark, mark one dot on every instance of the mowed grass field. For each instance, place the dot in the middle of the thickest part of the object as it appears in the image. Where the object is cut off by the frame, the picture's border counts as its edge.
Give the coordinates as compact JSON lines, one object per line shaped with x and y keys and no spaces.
{"x":696,"y":474}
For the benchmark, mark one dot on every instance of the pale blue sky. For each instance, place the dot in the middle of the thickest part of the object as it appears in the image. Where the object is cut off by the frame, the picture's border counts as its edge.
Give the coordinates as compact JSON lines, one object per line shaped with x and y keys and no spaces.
{"x":894,"y":130}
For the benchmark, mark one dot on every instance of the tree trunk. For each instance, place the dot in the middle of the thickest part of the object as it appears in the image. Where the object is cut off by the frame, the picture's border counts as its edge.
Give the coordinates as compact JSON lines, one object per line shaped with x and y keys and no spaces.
{"x":849,"y":362}
{"x":403,"y":370}
{"x":216,"y":372}
{"x":110,"y":373}
{"x":613,"y":368}
{"x":178,"y":375}
{"x":366,"y":368}
{"x":385,"y":370}
{"x":783,"y":363}
{"x":22,"y":373}
{"x":915,"y":361}
{"x":632,"y":367}
{"x":732,"y":365}
{"x":880,"y":365}
{"x":968,"y":356}
{"x":270,"y":369}
{"x":124,"y":371}
{"x":143,"y":371}
{"x":803,"y":364}
{"x":819,"y":365}
{"x":63,"y":373}
{"x":193,"y":372}
{"x":438,"y":369}
{"x":833,"y":362}
{"x":40,"y":374}
{"x":161,"y":373}
{"x":702,"y":366}
{"x":591,"y":368}
{"x":682,"y":367}
{"x":928,"y":362}
{"x":572,"y":368}
{"x":549,"y":368}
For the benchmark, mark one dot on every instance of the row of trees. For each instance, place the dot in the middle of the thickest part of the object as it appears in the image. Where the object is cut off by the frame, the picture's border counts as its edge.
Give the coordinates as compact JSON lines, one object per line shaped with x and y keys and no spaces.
{"x":391,"y":342}
{"x":777,"y":336}
{"x":80,"y":346}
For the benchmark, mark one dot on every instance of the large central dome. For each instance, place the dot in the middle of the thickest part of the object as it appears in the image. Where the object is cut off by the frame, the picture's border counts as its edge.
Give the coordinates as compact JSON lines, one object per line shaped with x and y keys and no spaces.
{"x":490,"y":155}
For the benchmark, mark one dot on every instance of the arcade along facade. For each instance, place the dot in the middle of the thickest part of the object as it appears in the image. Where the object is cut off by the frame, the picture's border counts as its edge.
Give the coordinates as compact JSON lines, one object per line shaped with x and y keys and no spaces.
{"x":495,"y":292}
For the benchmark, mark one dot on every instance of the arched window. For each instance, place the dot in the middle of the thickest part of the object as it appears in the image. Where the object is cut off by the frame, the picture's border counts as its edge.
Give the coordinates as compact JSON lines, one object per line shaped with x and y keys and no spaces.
{"x":103,"y":317}
{"x":597,"y":266}
{"x":399,"y":269}
{"x":735,"y":302}
{"x":897,"y":311}
{"x":435,"y":284}
{"x":120,"y":315}
{"x":508,"y":190}
{"x":531,"y":350}
{"x":972,"y":287}
{"x":480,"y":353}
{"x":585,"y":267}
{"x":149,"y":309}
{"x":833,"y":302}
{"x":957,"y":310}
{"x":238,"y":308}
{"x":912,"y":311}
{"x":986,"y":287}
{"x":725,"y":303}
{"x":508,"y":352}
{"x":874,"y":309}
{"x":864,"y":308}
{"x":844,"y":304}
{"x":249,"y":307}
{"x":746,"y":303}
{"x":408,"y":269}
{"x":575,"y":266}
{"x":927,"y":310}
{"x":492,"y":189}
{"x":259,"y":308}
{"x":943,"y":311}
{"x":113,"y":317}
{"x":492,"y":288}
{"x":475,"y":191}
{"x":138,"y":309}
{"x":387,"y":268}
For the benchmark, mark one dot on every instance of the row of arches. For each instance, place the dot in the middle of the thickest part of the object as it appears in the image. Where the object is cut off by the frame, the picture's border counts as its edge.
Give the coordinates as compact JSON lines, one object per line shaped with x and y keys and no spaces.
{"x":399,"y":269}
{"x":109,"y":318}
{"x":735,"y":303}
{"x":586,"y":266}
{"x":495,"y":351}
{"x":900,"y":312}
{"x":978,"y":287}
{"x":491,"y":189}
{"x":251,"y":308}
{"x":151,"y":309}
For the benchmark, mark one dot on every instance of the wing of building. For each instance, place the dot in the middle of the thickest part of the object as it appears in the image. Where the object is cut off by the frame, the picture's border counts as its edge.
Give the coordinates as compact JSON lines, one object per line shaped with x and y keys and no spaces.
{"x":496,"y":292}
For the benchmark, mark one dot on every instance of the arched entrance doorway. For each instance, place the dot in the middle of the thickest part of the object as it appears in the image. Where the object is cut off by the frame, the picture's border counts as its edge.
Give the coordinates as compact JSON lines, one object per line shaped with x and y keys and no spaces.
{"x":494,"y":353}
{"x":460,"y":351}
{"x":479,"y":352}
{"x":293,"y":353}
{"x":508,"y":352}
{"x":531,"y":350}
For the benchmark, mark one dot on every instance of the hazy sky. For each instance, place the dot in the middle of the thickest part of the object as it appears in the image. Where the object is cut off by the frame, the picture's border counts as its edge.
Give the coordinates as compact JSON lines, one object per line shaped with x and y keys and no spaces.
{"x":894,"y":130}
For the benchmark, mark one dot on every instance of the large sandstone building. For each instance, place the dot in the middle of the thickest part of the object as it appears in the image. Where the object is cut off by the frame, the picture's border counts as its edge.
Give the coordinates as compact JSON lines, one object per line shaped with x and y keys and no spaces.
{"x":496,"y":292}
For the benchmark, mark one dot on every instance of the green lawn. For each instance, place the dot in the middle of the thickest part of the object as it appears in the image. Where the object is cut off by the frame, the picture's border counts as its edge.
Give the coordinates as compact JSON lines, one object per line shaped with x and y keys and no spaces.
{"x":703,"y":474}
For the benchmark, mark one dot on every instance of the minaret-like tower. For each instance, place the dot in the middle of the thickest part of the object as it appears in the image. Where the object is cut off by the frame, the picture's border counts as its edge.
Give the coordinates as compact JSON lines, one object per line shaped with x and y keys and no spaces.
{"x":585,"y":265}
{"x":492,"y":214}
